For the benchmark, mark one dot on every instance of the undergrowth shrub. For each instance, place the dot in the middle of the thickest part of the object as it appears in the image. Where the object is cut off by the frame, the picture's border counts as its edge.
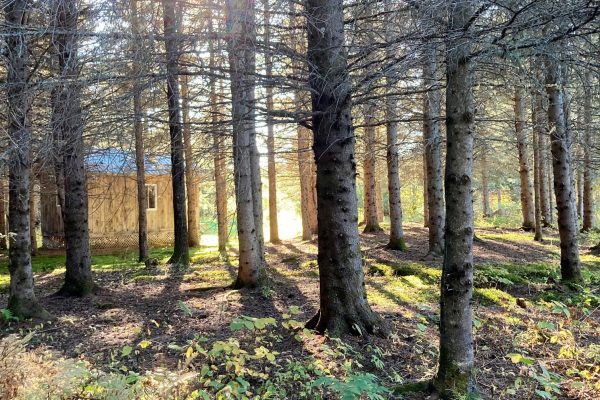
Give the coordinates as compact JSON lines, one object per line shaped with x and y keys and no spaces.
{"x":252,"y":363}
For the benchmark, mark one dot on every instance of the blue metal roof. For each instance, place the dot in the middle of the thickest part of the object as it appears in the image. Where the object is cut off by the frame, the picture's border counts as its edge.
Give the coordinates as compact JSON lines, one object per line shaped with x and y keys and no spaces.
{"x":118,"y":161}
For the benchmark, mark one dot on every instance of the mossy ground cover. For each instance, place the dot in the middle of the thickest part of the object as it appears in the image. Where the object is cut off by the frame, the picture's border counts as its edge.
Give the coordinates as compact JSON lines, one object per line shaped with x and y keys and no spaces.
{"x":158,"y":333}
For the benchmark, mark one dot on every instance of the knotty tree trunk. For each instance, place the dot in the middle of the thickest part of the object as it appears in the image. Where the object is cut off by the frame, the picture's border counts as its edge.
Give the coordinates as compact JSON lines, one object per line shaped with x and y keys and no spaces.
{"x":138,"y":132}
{"x":433,"y":160}
{"x":396,"y":241}
{"x":369,"y":165}
{"x":240,"y":19}
{"x":396,"y":232}
{"x":539,"y":120}
{"x":563,"y":187}
{"x":22,"y":301}
{"x":588,"y":171}
{"x":219,"y":158}
{"x":272,"y":172}
{"x":455,"y":375}
{"x":527,"y":205}
{"x":343,"y":300}
{"x":180,"y":255}
{"x":191,"y":178}
{"x":69,"y":122}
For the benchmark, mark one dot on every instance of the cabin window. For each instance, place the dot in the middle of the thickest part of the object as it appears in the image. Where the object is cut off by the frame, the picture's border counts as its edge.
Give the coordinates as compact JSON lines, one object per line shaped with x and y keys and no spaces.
{"x":151,"y":197}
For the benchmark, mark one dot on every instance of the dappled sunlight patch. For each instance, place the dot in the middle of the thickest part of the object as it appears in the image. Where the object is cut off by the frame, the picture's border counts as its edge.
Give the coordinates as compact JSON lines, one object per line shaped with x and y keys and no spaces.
{"x":392,"y":291}
{"x":403,"y":268}
{"x":508,"y":274}
{"x":489,"y":296}
{"x":212,"y":276}
{"x":507,"y":236}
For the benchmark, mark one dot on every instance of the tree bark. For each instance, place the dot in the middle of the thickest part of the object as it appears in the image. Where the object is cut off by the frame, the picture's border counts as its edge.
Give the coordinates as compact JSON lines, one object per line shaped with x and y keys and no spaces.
{"x":191,"y":178}
{"x":240,"y":19}
{"x":396,"y":241}
{"x":219,"y":160}
{"x":538,"y":119}
{"x":180,"y":257}
{"x":425,"y":193}
{"x":369,"y":165}
{"x":306,"y":169}
{"x":68,"y":116}
{"x":378,"y":196}
{"x":578,"y":184}
{"x":549,"y":178}
{"x":433,"y":159}
{"x":563,"y":187}
{"x":485,"y":190}
{"x":22,"y":301}
{"x":138,"y":132}
{"x":455,"y":375}
{"x":272,"y":172}
{"x":343,"y":300}
{"x":588,"y":171}
{"x":3,"y":232}
{"x":527,"y":205}
{"x":32,"y":216}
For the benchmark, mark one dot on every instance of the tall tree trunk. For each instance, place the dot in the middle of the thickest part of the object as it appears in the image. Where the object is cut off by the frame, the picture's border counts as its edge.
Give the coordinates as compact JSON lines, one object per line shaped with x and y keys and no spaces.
{"x":433,"y":159}
{"x":180,"y":255}
{"x":561,"y":163}
{"x":219,"y":158}
{"x":588,"y":171}
{"x":32,"y":216}
{"x":68,"y":114}
{"x":579,"y":186}
{"x":272,"y":172}
{"x":549,"y":178}
{"x":306,"y":169}
{"x":343,"y":299}
{"x":21,"y":296}
{"x":369,"y":166}
{"x":539,"y":122}
{"x":191,"y":177}
{"x":527,"y":205}
{"x":396,"y":241}
{"x":425,"y":192}
{"x":240,"y":19}
{"x":540,"y":118}
{"x":455,"y":367}
{"x":485,"y":190}
{"x":138,"y":133}
{"x":306,"y":162}
{"x":3,"y":232}
{"x":378,"y":197}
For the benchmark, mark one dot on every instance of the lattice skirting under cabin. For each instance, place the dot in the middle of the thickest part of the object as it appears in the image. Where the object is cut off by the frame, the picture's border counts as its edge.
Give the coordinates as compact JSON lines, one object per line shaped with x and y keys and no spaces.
{"x":117,"y":240}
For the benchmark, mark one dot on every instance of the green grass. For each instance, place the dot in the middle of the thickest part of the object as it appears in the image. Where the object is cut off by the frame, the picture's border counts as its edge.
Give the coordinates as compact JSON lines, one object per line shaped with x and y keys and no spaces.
{"x":123,"y":261}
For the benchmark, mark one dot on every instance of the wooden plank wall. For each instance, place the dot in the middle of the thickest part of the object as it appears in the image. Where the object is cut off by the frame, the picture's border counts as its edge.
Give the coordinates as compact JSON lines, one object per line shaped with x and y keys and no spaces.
{"x":112,"y":203}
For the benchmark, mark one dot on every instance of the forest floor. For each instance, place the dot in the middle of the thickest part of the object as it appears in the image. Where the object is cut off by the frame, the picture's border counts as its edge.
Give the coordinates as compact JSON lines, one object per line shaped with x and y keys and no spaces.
{"x":171,"y":332}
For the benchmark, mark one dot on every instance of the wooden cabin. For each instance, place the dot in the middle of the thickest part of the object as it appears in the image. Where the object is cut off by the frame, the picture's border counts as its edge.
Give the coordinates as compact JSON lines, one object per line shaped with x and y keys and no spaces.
{"x":112,"y":202}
